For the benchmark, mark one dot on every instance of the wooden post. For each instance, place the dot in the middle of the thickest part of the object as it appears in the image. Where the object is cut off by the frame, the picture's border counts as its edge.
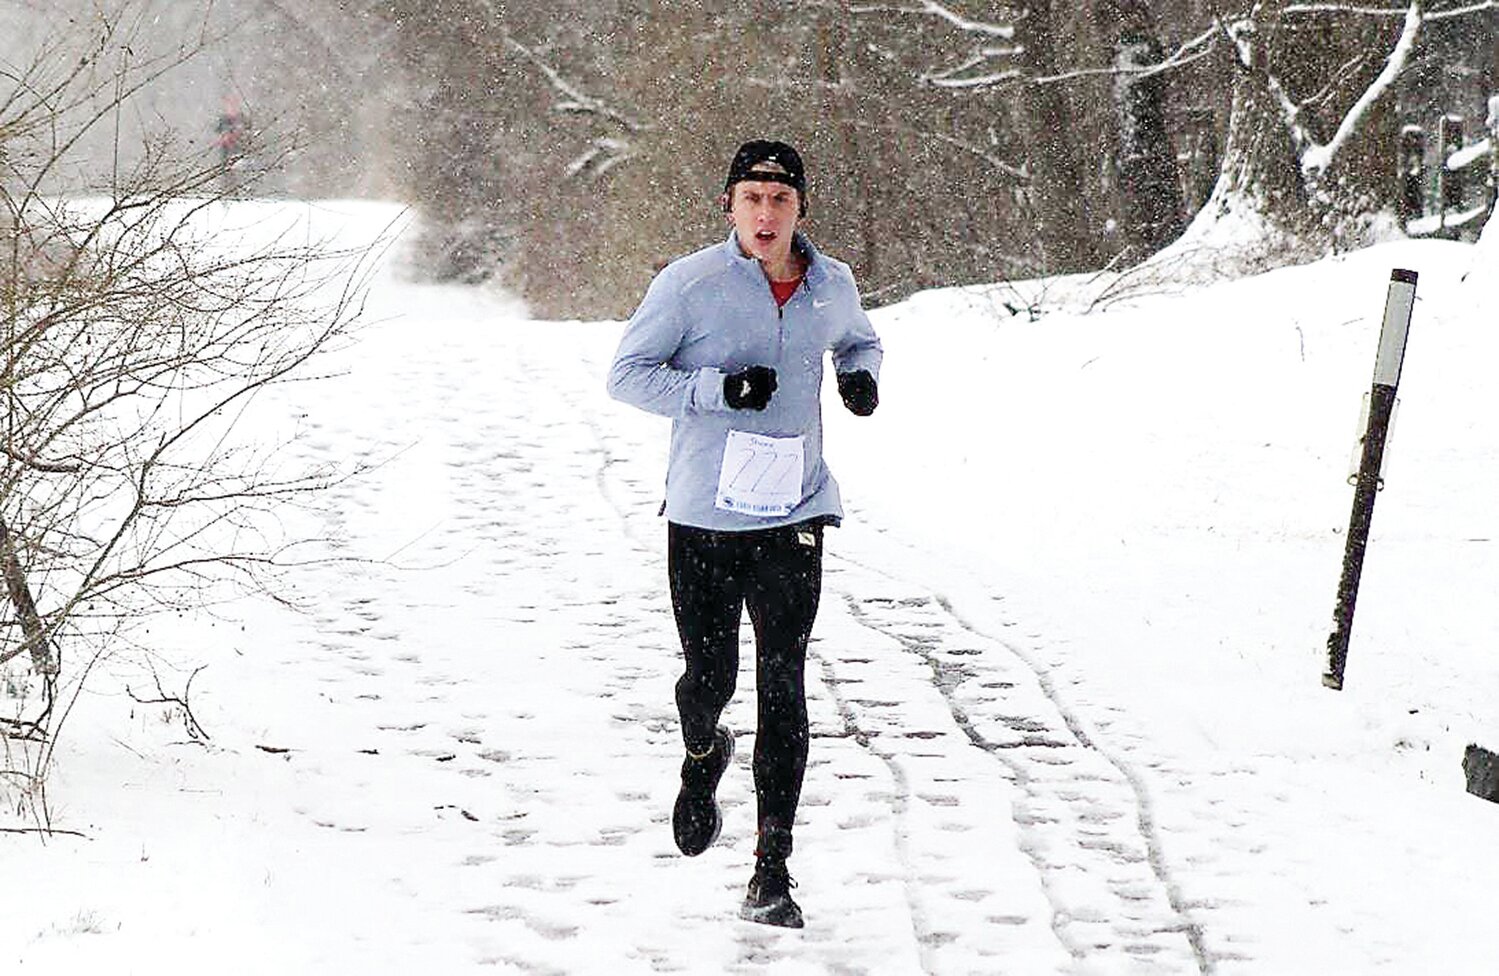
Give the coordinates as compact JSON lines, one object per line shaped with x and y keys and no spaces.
{"x":1412,"y":174}
{"x":1399,"y":301}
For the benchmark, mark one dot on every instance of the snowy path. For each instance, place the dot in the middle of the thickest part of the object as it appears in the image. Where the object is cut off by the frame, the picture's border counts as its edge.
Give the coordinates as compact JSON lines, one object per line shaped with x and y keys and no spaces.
{"x":484,"y":712}
{"x":956,"y":817}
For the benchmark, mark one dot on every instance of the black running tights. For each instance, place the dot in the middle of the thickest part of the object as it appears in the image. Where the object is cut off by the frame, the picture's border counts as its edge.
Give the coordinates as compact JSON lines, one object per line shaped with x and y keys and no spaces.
{"x":777,"y":575}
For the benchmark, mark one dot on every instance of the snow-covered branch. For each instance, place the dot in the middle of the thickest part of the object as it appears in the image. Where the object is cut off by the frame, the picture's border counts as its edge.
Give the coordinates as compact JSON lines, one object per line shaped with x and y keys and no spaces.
{"x":1188,"y":52}
{"x":930,"y":8}
{"x":603,"y":153}
{"x":1392,"y":12}
{"x":1192,"y":50}
{"x":1316,"y":159}
{"x":958,"y":76}
{"x":1474,"y":8}
{"x":1344,"y":8}
{"x":1291,"y":113}
{"x":950,"y":79}
{"x":1009,"y":169}
{"x":575,"y":99}
{"x":599,"y":158}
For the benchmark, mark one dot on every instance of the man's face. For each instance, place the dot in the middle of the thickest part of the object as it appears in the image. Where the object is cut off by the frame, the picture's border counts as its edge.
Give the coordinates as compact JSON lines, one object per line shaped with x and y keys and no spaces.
{"x":764,"y":215}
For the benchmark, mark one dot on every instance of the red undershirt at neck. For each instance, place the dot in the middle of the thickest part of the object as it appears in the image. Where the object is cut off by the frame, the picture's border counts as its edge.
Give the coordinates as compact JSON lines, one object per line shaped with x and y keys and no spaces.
{"x":783,"y":290}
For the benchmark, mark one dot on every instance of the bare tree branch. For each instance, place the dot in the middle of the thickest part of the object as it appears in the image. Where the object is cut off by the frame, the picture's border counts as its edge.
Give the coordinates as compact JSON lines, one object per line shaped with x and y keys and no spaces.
{"x":189,"y":720}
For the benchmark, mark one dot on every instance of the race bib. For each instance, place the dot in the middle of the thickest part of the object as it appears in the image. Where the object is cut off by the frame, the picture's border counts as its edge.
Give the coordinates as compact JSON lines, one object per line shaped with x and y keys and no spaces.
{"x":760,"y":475}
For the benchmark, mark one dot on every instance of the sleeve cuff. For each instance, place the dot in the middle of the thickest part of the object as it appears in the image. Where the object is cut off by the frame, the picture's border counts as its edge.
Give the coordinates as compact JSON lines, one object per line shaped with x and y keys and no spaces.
{"x":706,"y":392}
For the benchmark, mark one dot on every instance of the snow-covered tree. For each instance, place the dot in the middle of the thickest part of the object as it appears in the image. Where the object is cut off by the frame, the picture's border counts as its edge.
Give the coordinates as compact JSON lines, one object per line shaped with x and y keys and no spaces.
{"x":1310,"y":149}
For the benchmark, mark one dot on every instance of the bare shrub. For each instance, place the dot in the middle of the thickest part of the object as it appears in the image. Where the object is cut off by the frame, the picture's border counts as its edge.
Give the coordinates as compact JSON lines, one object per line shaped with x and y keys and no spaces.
{"x":138,"y":323}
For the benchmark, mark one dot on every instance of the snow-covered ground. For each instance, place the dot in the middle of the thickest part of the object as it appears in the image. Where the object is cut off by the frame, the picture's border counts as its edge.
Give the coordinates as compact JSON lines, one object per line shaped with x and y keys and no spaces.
{"x":1066,"y":705}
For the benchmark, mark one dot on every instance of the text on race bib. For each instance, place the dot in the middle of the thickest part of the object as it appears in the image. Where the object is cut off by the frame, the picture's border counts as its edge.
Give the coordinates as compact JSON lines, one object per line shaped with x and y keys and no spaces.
{"x":760,"y":475}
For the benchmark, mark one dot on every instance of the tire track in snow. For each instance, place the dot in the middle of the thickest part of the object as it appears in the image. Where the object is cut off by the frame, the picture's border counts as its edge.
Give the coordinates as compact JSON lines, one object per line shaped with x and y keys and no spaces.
{"x":900,"y":804}
{"x":1033,"y":740}
{"x":1145,"y":818}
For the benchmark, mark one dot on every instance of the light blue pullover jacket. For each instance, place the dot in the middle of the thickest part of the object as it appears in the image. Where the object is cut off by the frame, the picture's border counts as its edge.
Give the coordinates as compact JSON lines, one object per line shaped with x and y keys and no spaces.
{"x":711,"y":314}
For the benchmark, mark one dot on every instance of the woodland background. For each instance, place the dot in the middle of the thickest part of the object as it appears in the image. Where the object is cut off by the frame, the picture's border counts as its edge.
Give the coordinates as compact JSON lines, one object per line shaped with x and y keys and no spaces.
{"x":568,"y":148}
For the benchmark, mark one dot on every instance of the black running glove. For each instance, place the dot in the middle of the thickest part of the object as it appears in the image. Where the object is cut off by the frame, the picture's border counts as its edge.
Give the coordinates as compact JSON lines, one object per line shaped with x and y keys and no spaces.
{"x":749,"y":389}
{"x":859,"y":391}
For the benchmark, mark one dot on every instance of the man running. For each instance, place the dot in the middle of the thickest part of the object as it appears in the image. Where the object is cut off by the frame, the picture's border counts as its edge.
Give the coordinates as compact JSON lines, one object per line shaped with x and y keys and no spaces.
{"x":730,"y":342}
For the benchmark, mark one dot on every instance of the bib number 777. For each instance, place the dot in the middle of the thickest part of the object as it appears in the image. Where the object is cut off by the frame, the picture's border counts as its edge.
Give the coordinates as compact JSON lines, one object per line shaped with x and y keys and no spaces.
{"x":760,"y":475}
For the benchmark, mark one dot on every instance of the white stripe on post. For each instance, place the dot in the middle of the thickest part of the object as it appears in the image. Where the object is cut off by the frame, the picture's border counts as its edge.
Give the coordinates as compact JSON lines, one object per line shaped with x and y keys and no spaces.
{"x":1397,"y":323}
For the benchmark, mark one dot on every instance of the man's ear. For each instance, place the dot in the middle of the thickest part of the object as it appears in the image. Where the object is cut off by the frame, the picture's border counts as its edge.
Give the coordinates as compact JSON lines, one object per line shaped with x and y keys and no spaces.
{"x":726,"y":203}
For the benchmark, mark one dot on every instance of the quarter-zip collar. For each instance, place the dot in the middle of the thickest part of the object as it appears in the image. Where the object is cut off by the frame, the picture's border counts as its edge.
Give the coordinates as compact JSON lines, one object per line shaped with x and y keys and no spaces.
{"x":815,"y":274}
